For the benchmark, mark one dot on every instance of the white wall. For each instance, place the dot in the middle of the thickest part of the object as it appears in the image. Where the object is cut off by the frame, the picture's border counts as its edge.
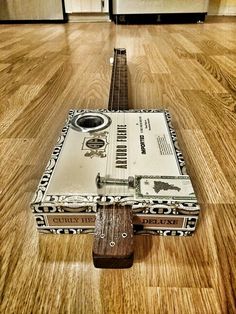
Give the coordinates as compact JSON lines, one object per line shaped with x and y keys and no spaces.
{"x":222,"y":7}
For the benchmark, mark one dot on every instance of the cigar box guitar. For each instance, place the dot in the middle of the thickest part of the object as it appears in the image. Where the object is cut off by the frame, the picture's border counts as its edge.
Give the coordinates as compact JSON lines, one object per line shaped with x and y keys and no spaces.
{"x":117,"y":163}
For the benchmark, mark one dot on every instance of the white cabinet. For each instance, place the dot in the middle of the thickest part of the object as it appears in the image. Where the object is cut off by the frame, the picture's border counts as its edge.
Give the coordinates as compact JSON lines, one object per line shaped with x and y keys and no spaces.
{"x":159,"y":6}
{"x":31,"y":10}
{"x":86,"y":6}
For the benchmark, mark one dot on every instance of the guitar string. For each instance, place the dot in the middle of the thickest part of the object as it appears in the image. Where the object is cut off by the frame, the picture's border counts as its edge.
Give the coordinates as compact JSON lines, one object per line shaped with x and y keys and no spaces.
{"x":113,"y":79}
{"x":111,"y":97}
{"x":119,"y":63}
{"x":125,"y":99}
{"x":121,"y":106}
{"x":111,"y":104}
{"x":112,"y":243}
{"x":121,"y":98}
{"x":125,"y":96}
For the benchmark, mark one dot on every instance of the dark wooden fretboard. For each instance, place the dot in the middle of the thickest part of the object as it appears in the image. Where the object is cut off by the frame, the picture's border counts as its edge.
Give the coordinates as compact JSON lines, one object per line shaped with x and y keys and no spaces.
{"x":118,"y":97}
{"x":113,"y":239}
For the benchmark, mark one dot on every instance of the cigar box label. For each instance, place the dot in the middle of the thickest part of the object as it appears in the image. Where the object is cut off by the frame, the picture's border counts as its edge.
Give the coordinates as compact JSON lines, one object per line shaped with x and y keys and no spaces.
{"x":165,"y":187}
{"x":71,"y":220}
{"x":133,"y":143}
{"x":87,"y":221}
{"x":165,"y":222}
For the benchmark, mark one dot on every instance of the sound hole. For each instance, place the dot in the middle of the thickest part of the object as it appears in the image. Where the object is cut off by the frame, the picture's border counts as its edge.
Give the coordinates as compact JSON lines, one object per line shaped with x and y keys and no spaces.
{"x":88,"y":122}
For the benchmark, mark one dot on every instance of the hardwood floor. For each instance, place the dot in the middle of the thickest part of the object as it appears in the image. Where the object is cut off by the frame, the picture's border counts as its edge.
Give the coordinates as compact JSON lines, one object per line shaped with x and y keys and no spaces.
{"x":47,"y":69}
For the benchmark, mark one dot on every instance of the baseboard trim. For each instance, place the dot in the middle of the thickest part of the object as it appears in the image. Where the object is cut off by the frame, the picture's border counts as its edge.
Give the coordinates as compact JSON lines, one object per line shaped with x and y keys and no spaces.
{"x":223,"y":14}
{"x":162,"y":18}
{"x":88,"y":17}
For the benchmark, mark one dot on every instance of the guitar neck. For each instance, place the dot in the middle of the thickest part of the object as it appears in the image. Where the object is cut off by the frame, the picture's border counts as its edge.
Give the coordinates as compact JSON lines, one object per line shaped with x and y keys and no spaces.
{"x":118,"y":97}
{"x":113,"y":240}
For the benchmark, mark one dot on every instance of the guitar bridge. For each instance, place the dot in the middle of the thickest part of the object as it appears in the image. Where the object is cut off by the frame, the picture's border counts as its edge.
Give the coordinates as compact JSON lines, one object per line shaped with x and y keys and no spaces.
{"x":101,"y":181}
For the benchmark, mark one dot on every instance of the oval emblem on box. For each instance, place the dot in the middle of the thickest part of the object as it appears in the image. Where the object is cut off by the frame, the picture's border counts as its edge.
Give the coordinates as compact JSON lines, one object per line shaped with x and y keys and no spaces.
{"x":95,"y":143}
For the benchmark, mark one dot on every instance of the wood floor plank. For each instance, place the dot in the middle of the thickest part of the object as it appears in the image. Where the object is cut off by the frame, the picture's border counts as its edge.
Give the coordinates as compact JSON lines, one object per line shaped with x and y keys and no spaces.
{"x":227,"y":80}
{"x":186,"y":43}
{"x":14,"y":152}
{"x":13,"y":105}
{"x":216,"y":116}
{"x":226,"y":63}
{"x":45,"y":70}
{"x":4,"y":66}
{"x":224,"y":233}
{"x":155,"y":60}
{"x":182,"y":301}
{"x":141,"y":72}
{"x":224,"y":152}
{"x":204,"y":168}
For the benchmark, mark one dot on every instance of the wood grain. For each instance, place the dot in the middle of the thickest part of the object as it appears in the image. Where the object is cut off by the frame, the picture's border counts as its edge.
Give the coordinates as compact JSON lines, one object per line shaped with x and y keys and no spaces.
{"x":47,"y":69}
{"x":113,"y":238}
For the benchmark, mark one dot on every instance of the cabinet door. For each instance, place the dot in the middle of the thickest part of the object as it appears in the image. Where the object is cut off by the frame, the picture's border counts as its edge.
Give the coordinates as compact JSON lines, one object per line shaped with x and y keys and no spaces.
{"x":83,"y":6}
{"x":159,"y":6}
{"x":106,"y":6}
{"x":31,"y":10}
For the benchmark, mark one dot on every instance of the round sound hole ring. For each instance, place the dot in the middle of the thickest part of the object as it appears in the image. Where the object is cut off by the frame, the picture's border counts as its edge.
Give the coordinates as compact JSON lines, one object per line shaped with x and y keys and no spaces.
{"x":90,"y":122}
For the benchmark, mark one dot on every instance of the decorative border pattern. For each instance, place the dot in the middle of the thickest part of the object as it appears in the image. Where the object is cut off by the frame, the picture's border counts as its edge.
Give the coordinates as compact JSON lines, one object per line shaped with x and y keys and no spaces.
{"x":90,"y":205}
{"x":66,"y":231}
{"x":42,"y":187}
{"x":178,"y":233}
{"x":178,"y":152}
